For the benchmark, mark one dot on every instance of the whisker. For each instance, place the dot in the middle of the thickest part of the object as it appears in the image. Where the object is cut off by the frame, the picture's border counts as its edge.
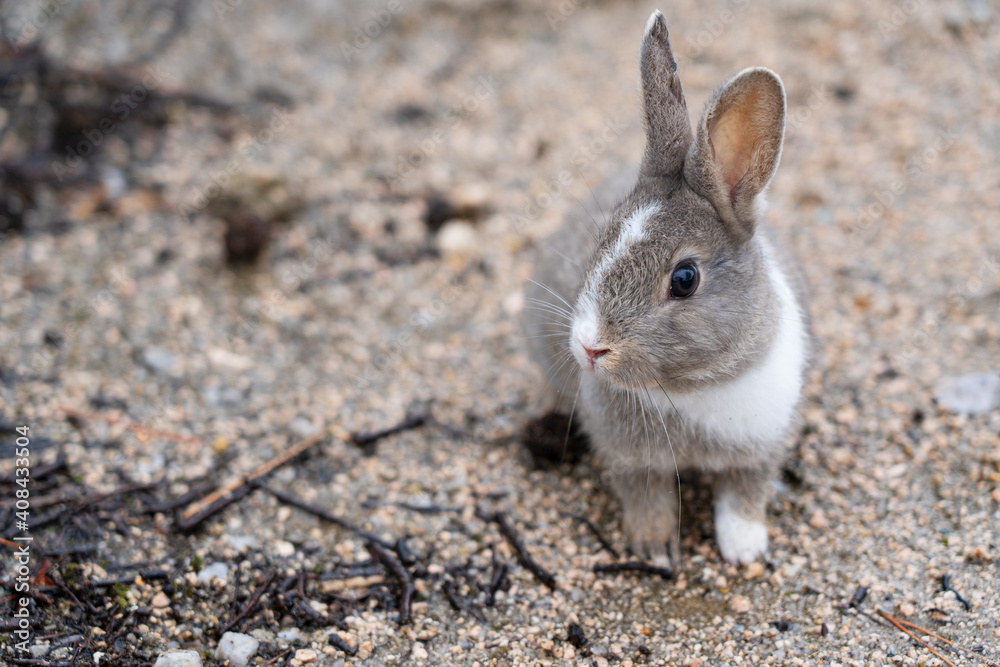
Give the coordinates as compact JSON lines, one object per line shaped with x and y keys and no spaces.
{"x":596,"y":201}
{"x":563,"y":322}
{"x":649,"y":446}
{"x":550,"y":307}
{"x":544,"y":287}
{"x":666,"y":432}
{"x":594,"y":233}
{"x":558,"y":334}
{"x":558,"y":368}
{"x":552,"y":249}
{"x":559,"y":323}
{"x":569,"y":424}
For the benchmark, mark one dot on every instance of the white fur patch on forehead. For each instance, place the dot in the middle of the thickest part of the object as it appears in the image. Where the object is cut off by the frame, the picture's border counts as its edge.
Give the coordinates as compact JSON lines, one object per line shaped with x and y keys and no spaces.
{"x":634,"y":226}
{"x":632,"y":231}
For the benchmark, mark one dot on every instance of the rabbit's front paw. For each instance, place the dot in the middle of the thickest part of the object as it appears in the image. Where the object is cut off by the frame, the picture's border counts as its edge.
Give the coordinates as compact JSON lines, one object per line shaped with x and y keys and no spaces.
{"x":651,"y":529}
{"x":740,"y":540}
{"x":653,"y":542}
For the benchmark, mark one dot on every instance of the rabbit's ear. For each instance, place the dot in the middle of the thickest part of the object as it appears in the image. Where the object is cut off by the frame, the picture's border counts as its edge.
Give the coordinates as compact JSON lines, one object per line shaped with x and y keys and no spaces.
{"x":739,"y":146}
{"x":668,"y":126}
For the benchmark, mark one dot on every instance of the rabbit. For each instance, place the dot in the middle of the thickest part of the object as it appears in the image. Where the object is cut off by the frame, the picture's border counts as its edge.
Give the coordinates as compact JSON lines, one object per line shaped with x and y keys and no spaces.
{"x":676,"y":330}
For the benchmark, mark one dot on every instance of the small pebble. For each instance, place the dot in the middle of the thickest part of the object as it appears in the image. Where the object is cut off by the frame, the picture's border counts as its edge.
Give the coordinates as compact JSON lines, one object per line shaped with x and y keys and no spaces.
{"x":242,"y":542}
{"x":458,"y":237}
{"x":303,"y":428}
{"x":283,"y":549}
{"x":979,"y":555}
{"x":217,"y":570}
{"x":220,"y":445}
{"x":576,"y":636}
{"x":178,"y":658}
{"x":306,"y":655}
{"x":972,"y":393}
{"x":237,"y":648}
{"x":740,"y":604}
{"x":159,"y":360}
{"x":290,"y":635}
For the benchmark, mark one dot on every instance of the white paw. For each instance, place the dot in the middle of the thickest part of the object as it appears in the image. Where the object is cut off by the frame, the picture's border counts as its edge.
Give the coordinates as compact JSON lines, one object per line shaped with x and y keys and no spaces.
{"x":740,"y":540}
{"x":663,"y":560}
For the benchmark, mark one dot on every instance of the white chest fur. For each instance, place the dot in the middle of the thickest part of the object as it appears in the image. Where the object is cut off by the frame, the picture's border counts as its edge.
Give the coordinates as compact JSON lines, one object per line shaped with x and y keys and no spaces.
{"x":755,"y":409}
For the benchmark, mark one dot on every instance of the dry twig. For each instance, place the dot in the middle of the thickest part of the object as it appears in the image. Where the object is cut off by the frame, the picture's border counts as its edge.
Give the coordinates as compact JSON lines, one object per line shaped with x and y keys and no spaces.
{"x":895,"y":622}
{"x":251,"y":603}
{"x":258,"y":472}
{"x":636,"y":566}
{"x":927,"y":632}
{"x":523,"y":557}
{"x":397,"y":570}
{"x":138,"y":429}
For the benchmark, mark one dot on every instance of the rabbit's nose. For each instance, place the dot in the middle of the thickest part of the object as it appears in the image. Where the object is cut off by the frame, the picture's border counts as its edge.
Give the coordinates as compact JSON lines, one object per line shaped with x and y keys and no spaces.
{"x":594,"y":355}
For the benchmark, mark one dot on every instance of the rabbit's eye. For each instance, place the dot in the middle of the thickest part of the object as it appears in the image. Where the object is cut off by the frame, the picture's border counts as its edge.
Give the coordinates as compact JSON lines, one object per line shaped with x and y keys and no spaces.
{"x":684,"y":281}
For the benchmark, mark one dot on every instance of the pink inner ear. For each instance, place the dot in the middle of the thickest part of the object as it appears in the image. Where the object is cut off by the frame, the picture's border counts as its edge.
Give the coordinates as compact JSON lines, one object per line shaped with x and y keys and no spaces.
{"x":731,"y":148}
{"x":734,"y":134}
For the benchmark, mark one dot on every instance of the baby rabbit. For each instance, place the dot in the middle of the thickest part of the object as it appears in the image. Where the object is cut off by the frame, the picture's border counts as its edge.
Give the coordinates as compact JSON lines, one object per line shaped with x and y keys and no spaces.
{"x":675,"y":330}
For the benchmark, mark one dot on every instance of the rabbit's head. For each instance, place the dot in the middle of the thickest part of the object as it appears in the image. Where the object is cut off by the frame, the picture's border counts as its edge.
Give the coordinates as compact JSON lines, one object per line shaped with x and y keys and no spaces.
{"x":678,"y":293}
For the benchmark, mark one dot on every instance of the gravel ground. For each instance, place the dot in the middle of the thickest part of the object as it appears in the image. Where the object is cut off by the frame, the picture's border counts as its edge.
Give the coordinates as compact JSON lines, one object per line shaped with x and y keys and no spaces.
{"x":496,"y":118}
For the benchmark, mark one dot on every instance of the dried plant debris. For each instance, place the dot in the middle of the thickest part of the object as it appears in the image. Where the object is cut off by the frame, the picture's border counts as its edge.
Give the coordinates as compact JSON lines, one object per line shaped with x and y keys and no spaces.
{"x":246,"y":238}
{"x":469,"y":205}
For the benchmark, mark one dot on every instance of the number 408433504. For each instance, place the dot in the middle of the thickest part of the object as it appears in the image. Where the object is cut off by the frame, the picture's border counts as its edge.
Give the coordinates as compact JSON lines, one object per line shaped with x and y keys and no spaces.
{"x":22,"y":474}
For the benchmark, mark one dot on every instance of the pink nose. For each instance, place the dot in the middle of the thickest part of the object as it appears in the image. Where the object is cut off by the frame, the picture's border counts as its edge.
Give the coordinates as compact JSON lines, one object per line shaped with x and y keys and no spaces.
{"x":594,"y":355}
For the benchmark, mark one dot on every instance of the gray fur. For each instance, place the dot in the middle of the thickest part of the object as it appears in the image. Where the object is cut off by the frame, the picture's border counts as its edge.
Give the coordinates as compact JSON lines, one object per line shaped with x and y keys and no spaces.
{"x":668,"y":128}
{"x":707,"y":212}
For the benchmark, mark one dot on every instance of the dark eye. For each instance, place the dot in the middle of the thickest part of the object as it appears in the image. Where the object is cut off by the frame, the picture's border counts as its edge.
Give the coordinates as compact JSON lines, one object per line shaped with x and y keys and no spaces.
{"x":684,"y":281}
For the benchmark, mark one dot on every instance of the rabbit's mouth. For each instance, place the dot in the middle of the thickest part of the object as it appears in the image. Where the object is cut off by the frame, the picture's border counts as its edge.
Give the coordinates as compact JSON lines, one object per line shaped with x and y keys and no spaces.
{"x":597,"y":352}
{"x":588,"y":346}
{"x":591,"y":356}
{"x":611,"y":363}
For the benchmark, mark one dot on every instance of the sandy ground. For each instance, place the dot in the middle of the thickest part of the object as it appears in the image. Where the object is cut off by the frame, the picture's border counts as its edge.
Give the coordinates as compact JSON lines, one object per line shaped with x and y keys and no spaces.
{"x":888,"y":191}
